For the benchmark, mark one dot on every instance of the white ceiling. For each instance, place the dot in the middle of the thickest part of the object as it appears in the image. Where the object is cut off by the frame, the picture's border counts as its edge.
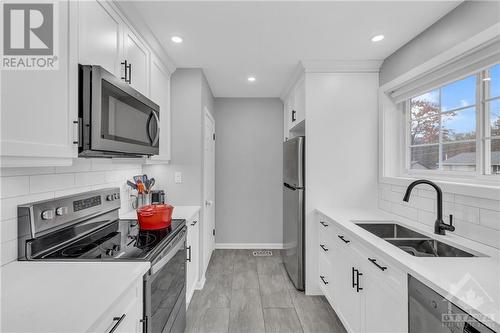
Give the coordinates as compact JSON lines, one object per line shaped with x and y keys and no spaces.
{"x":232,"y":40}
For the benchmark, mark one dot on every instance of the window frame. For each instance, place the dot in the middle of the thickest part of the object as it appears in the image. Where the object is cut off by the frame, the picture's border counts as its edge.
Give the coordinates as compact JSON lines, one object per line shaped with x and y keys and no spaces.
{"x":483,"y":137}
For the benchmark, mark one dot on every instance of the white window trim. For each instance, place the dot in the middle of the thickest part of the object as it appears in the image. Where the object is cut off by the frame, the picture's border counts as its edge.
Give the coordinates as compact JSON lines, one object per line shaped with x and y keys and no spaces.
{"x":392,"y":153}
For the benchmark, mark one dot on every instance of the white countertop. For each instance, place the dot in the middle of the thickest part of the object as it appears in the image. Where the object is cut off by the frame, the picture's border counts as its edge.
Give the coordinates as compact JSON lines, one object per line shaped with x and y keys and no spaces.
{"x":62,"y":296}
{"x":471,"y":283}
{"x":180,"y":212}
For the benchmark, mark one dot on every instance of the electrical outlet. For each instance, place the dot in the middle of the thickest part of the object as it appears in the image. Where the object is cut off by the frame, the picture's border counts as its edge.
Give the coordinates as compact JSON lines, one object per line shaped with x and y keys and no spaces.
{"x":178,"y":177}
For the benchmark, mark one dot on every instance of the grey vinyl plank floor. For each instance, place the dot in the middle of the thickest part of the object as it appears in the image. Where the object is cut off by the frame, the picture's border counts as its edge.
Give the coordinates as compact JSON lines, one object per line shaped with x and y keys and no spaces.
{"x":251,"y":294}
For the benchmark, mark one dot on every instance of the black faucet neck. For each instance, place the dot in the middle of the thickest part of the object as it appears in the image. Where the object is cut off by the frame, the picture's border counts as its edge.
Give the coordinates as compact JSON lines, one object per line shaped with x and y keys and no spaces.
{"x":438,"y":192}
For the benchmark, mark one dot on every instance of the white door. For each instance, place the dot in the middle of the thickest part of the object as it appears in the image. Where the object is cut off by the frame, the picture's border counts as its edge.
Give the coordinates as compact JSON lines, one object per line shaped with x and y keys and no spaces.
{"x":209,"y":186}
{"x":137,"y":55}
{"x":99,"y":36}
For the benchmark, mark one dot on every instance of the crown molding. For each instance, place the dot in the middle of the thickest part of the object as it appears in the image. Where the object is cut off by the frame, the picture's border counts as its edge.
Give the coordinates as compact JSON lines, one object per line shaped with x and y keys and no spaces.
{"x":341,"y":66}
{"x":128,"y":10}
{"x":298,"y":72}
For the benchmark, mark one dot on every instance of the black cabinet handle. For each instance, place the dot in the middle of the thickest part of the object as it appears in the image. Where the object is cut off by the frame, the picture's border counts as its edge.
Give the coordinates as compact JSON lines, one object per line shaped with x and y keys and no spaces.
{"x":323,"y":247}
{"x":324,"y":224}
{"x":358,"y":274}
{"x":127,"y":69}
{"x":194,"y":222}
{"x":355,"y":280}
{"x":323,"y":279}
{"x":293,"y":115}
{"x":374,"y":261}
{"x":343,"y":239}
{"x":118,"y":322}
{"x":189,"y":252}
{"x":130,"y":73}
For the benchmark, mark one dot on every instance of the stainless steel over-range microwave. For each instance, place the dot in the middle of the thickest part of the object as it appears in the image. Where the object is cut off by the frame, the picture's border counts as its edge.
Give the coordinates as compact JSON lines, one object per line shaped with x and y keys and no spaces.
{"x":115,"y":120}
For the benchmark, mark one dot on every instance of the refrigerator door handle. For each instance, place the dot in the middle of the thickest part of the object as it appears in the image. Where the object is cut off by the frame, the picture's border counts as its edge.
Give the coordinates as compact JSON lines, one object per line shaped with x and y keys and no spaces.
{"x":290,"y":187}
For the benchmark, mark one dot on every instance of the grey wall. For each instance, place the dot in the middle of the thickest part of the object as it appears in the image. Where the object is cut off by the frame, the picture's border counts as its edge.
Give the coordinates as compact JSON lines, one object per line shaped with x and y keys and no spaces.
{"x":190,"y":94}
{"x":248,"y":157}
{"x":465,"y":21}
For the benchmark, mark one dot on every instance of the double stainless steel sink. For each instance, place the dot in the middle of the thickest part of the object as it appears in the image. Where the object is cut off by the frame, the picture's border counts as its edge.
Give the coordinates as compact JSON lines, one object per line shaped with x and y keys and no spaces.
{"x":413,"y":242}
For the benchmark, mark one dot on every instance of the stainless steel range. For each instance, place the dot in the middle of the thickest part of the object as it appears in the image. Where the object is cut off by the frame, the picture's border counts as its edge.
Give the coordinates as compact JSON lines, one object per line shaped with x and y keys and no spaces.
{"x":86,"y":227}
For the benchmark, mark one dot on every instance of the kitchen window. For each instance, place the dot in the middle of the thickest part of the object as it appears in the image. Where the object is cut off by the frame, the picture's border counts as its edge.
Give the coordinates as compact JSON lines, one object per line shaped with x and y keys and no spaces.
{"x":455,"y":128}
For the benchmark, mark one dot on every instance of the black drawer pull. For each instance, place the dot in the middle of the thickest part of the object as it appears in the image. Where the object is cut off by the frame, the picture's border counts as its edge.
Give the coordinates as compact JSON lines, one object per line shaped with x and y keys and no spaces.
{"x":355,"y":280}
{"x":323,"y":279}
{"x":374,"y":261}
{"x":343,"y":239}
{"x":324,"y":224}
{"x":118,"y":322}
{"x":189,"y":252}
{"x":323,"y":247}
{"x":194,"y":222}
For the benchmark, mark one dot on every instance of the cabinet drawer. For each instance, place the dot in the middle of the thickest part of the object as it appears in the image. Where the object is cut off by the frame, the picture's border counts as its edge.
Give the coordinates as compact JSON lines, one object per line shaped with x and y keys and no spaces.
{"x":125,"y":313}
{"x":325,"y":243}
{"x":325,"y":274}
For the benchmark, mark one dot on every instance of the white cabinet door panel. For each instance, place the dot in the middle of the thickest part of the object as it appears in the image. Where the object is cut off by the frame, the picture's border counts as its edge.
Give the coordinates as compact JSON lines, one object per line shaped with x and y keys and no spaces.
{"x":137,"y":55}
{"x":37,"y":109}
{"x":160,"y":94}
{"x":100,"y":36}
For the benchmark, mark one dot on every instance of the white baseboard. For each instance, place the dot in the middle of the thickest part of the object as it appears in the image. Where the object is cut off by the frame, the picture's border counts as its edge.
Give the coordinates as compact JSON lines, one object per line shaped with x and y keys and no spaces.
{"x":249,"y":246}
{"x":201,"y":283}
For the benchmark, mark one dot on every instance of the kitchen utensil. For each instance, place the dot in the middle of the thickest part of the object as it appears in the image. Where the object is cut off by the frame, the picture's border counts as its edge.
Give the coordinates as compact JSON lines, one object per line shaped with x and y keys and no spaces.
{"x":150,"y":183}
{"x":138,"y":178}
{"x":140,"y":187}
{"x":132,"y":185}
{"x":154,"y":217}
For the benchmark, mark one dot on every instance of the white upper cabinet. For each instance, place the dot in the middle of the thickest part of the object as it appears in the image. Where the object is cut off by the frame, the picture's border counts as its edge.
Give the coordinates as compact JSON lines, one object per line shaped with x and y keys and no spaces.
{"x":136,"y":54}
{"x":160,"y":94}
{"x":38,"y":108}
{"x":39,"y":118}
{"x":295,"y":106}
{"x":100,"y":39}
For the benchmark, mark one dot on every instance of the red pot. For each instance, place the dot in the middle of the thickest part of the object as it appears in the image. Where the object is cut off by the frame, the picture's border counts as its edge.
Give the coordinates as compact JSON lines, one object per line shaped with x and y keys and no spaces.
{"x":154,"y":217}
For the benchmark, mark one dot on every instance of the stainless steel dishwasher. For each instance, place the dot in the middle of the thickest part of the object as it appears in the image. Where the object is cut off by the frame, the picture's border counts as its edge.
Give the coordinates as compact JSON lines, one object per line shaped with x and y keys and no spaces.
{"x":431,"y":312}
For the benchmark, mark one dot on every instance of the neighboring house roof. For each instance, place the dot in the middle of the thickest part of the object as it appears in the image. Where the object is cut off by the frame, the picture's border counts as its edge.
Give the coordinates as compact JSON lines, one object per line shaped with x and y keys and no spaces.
{"x":470,"y":158}
{"x":418,"y":166}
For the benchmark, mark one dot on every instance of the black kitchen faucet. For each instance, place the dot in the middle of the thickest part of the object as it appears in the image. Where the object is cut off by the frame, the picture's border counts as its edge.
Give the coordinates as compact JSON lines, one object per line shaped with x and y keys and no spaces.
{"x":439,"y":225}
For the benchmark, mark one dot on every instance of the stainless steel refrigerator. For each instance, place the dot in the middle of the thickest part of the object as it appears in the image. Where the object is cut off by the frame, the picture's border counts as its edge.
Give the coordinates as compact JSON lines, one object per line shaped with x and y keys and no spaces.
{"x":293,"y":210}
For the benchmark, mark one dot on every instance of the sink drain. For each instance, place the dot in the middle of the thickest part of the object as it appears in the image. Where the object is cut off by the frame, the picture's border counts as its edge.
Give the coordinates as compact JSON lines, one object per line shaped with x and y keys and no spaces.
{"x":262,"y":253}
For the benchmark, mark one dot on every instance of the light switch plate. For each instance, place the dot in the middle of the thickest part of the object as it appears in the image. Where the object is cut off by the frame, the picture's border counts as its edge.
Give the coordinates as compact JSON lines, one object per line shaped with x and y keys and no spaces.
{"x":178,"y":177}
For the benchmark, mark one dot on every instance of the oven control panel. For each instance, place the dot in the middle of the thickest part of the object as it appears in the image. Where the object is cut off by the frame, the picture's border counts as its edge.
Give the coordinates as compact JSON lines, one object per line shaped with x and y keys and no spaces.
{"x":39,"y":217}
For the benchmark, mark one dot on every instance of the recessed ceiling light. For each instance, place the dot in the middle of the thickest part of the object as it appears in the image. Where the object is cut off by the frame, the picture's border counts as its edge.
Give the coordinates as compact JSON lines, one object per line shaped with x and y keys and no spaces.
{"x":251,"y":79}
{"x":377,"y":38}
{"x":176,"y":39}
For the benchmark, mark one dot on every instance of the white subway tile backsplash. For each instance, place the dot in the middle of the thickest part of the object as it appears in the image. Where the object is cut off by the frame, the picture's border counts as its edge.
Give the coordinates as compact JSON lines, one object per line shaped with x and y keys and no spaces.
{"x":478,"y":202}
{"x":8,"y":229}
{"x":90,"y":178}
{"x":79,"y":165}
{"x":406,"y":211}
{"x":9,"y":206}
{"x":71,"y":191}
{"x":427,"y":218}
{"x":44,"y":183}
{"x":14,"y":186}
{"x":102,"y":164}
{"x":431,"y":194}
{"x":478,"y":233}
{"x":9,"y":251}
{"x":423,"y":203}
{"x":6,"y":172}
{"x":489,"y":218}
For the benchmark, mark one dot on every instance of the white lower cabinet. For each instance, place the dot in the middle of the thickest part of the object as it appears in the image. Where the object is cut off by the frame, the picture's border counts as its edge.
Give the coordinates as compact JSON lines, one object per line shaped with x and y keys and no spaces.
{"x":126,"y":313}
{"x":193,"y":256}
{"x":366,"y":290}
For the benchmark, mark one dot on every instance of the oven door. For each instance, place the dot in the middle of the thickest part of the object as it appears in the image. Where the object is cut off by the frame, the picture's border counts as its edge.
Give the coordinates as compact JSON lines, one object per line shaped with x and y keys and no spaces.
{"x":123,"y":121}
{"x":165,"y":289}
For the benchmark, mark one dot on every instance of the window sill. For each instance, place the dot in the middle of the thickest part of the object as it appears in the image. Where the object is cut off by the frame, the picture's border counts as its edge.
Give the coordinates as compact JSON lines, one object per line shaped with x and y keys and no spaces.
{"x":476,"y":187}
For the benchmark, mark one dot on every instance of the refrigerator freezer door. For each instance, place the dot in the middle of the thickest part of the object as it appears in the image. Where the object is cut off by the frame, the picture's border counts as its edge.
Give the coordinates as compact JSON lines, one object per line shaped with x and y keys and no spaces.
{"x":293,"y":235}
{"x":293,"y":162}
